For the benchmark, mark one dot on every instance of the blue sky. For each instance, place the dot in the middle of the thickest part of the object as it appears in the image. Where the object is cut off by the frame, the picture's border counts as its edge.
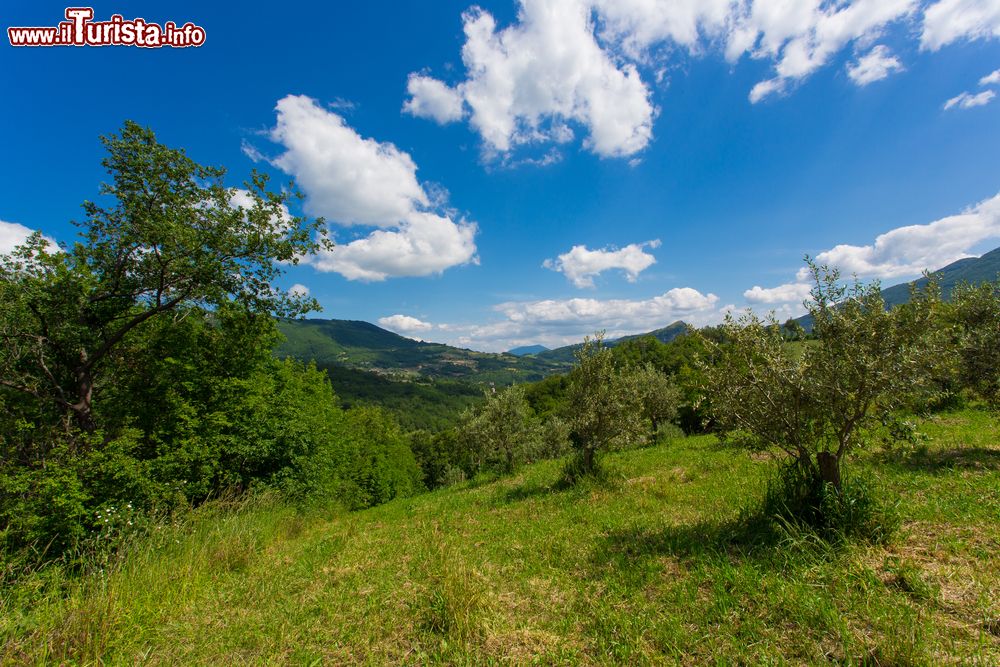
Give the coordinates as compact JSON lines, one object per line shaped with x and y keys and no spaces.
{"x":529,"y":172}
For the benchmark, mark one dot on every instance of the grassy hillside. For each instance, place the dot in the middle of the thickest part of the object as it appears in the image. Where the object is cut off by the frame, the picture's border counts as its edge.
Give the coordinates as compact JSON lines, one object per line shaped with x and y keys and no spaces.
{"x":366,"y":346}
{"x":647,"y":570}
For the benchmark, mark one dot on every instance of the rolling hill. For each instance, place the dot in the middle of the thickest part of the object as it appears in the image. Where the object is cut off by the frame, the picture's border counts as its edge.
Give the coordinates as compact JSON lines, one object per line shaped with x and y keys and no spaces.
{"x":664,"y":335}
{"x":525,"y":350}
{"x":364,"y":346}
{"x":970,"y":270}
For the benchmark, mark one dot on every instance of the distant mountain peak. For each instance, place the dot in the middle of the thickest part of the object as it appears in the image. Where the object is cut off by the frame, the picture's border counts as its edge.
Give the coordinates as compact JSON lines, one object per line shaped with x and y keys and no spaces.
{"x":525,"y":350}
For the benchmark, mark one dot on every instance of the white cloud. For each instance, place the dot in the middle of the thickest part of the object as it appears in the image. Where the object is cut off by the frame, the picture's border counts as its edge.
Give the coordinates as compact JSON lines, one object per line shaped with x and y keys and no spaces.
{"x":968,"y":100}
{"x":876,"y":65}
{"x":298,"y":289}
{"x":766,"y":88}
{"x":13,"y":234}
{"x":565,"y":64}
{"x":991,"y":79}
{"x":580,"y":265}
{"x":556,"y":322}
{"x":429,"y":98}
{"x":424,"y":244}
{"x":346,"y":177}
{"x":947,"y":21}
{"x":802,"y":36}
{"x":787,"y":293}
{"x":907,"y":251}
{"x":404,"y":324}
{"x":903,"y":252}
{"x":352,"y":180}
{"x":527,"y":82}
{"x":578,"y":316}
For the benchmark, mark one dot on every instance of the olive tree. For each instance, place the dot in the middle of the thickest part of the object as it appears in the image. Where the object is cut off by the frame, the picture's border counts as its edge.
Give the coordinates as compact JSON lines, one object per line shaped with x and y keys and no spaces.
{"x":167,"y":235}
{"x":502,"y":430}
{"x":659,"y":398}
{"x":975,"y":312}
{"x":604,"y":403}
{"x":813,"y":401}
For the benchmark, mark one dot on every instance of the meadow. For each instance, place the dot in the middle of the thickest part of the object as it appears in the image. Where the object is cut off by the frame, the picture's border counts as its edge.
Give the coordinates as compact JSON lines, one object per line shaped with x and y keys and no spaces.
{"x":662,"y":562}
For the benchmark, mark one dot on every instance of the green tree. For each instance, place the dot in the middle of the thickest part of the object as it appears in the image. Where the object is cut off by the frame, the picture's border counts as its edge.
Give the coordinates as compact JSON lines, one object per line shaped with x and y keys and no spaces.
{"x":169,"y":236}
{"x":658,"y":396}
{"x":502,"y":429}
{"x":814,"y":405}
{"x":605,"y":405}
{"x":975,"y":312}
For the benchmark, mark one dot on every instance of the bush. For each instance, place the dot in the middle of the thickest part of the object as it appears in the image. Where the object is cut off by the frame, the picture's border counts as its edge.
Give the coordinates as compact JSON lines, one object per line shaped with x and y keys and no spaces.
{"x":798,"y":500}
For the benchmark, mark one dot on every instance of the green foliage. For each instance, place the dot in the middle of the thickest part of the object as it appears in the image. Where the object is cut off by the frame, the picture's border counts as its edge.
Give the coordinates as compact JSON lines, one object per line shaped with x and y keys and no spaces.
{"x":417,"y":403}
{"x":520,"y":571}
{"x":798,"y":501}
{"x":659,"y":398}
{"x":815,"y":404}
{"x":169,"y":237}
{"x":136,"y":369}
{"x":605,"y":406}
{"x":364,"y":346}
{"x":975,"y":314}
{"x":501,"y":431}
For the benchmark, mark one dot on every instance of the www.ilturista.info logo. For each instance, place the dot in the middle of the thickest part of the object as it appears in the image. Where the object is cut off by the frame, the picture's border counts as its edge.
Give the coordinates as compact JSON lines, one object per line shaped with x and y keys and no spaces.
{"x":79,"y":29}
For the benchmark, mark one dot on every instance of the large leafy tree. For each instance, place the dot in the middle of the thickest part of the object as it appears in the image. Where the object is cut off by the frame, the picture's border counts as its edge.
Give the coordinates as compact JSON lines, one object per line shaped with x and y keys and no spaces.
{"x":167,"y":235}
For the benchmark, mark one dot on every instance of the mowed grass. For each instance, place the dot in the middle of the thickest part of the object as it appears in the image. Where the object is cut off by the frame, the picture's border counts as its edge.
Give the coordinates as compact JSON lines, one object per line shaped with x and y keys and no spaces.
{"x":647,"y":569}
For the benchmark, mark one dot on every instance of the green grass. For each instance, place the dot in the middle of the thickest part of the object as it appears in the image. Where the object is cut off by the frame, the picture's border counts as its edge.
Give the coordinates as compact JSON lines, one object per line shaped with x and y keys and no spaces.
{"x":641,"y":570}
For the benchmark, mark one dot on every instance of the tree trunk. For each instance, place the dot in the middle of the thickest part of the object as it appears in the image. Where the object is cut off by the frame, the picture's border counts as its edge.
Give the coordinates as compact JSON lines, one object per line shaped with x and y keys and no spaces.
{"x":588,"y":459}
{"x":829,"y":468}
{"x":82,"y":409}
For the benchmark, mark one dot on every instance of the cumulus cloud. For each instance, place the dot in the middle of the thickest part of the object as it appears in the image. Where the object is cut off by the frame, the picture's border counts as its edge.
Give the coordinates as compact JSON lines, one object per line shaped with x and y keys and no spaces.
{"x":555,"y":322}
{"x":527,"y":82}
{"x":787,"y":293}
{"x":970,"y":100}
{"x":765,"y":88}
{"x":948,"y":21}
{"x":580,"y":265}
{"x":404,"y":324}
{"x":876,"y":65}
{"x":903,"y":252}
{"x":991,"y":79}
{"x":298,"y":289}
{"x":352,"y":180}
{"x":429,"y":98}
{"x":570,"y":65}
{"x":13,"y":234}
{"x":423,"y":244}
{"x":907,"y":251}
{"x":801,"y":37}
